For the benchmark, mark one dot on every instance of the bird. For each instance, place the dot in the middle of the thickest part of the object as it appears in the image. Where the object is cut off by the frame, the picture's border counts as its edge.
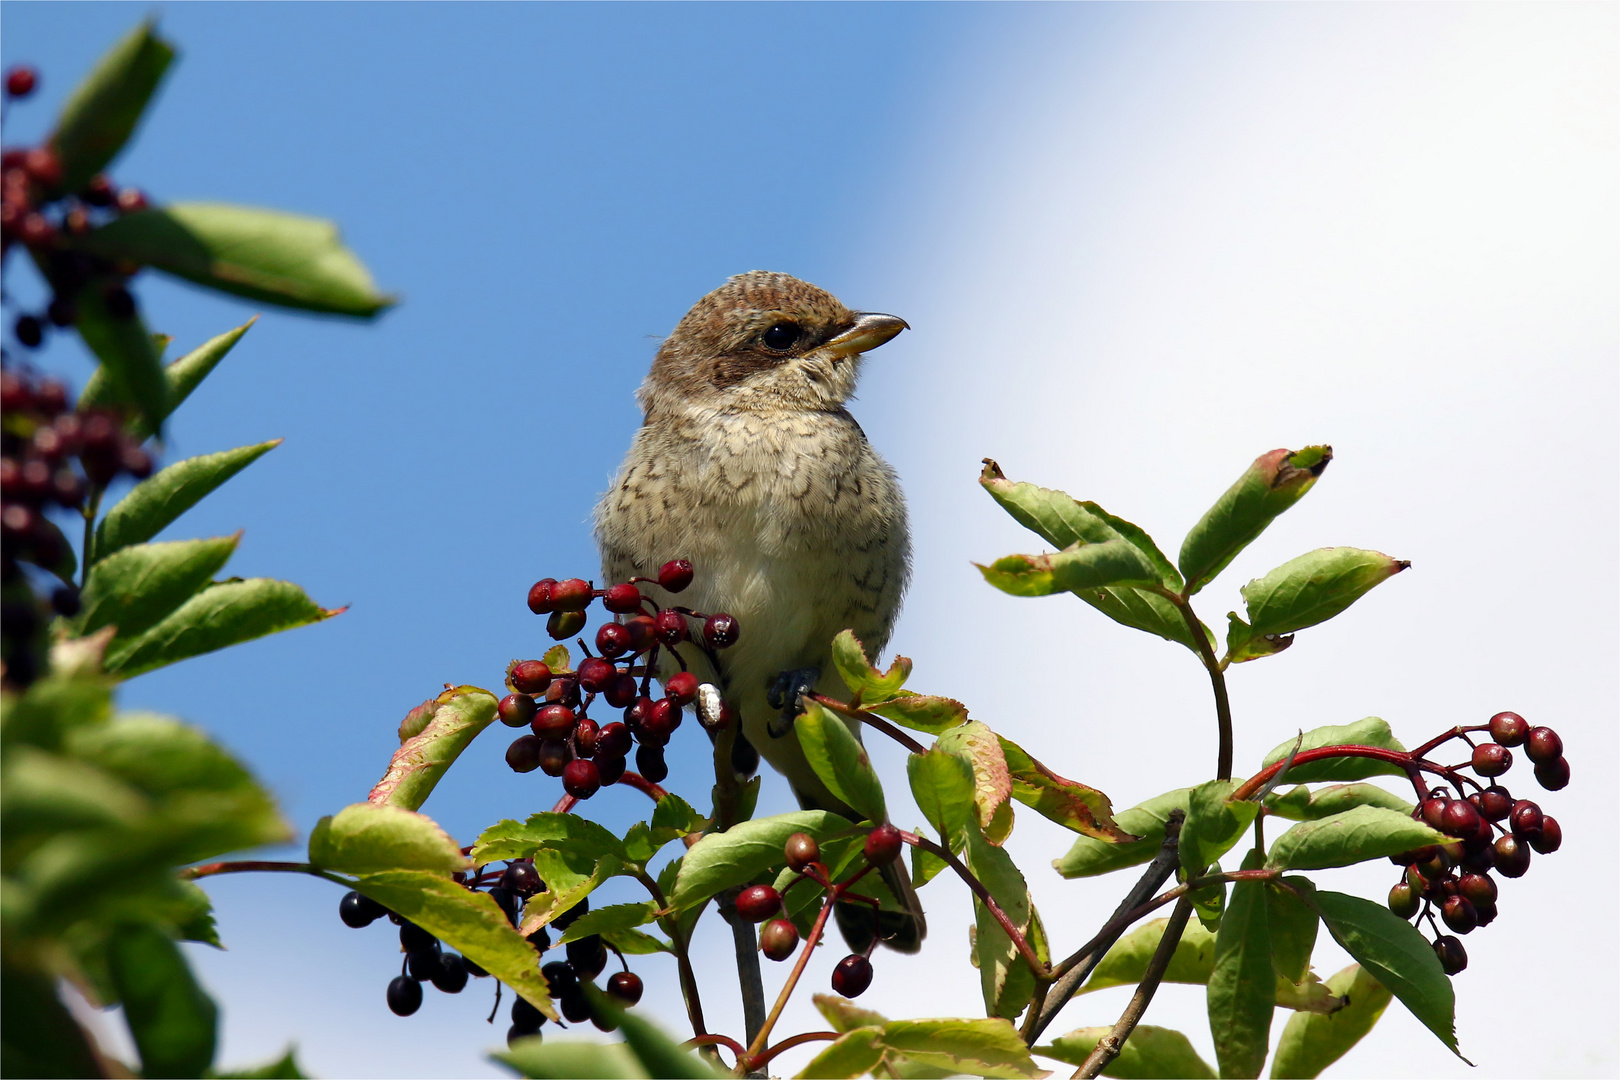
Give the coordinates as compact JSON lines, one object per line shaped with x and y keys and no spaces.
{"x":749,"y":464}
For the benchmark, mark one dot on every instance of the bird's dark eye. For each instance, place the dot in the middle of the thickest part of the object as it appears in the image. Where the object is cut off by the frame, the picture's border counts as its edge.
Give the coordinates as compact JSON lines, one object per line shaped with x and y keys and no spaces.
{"x":781,"y":336}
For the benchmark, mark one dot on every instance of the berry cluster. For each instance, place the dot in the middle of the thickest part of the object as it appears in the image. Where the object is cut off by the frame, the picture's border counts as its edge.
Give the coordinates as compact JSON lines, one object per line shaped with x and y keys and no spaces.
{"x":510,"y":888}
{"x":1493,"y":831}
{"x":564,"y":740}
{"x":779,"y":937}
{"x":51,"y":456}
{"x":38,"y":213}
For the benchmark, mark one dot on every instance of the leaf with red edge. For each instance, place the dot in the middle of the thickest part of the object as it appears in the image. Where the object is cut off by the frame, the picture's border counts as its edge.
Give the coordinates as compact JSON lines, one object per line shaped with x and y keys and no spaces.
{"x":422,"y":759}
{"x":1074,"y":806}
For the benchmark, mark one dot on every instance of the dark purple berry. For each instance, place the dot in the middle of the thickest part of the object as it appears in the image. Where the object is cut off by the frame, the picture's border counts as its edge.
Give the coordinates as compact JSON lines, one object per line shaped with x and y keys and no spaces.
{"x":566,"y":919}
{"x":626,"y":987}
{"x":613,"y":740}
{"x":1551,"y":838}
{"x":120,"y":302}
{"x":1459,"y":914}
{"x":522,"y":878}
{"x":1491,"y":759}
{"x":525,"y":1017}
{"x":581,"y":778}
{"x":1452,"y":957}
{"x":29,"y":330}
{"x":609,"y":767}
{"x":1477,"y":889}
{"x":720,"y":631}
{"x":357,"y":910}
{"x":587,"y":956}
{"x":524,"y":754}
{"x":560,"y":979}
{"x":778,"y":939}
{"x":1512,"y":856}
{"x":650,"y":763}
{"x":425,"y":966}
{"x":554,"y":756}
{"x":574,"y":1007}
{"x":404,"y":995}
{"x":675,"y":575}
{"x":1554,"y":776}
{"x":621,"y":692}
{"x":1459,"y":818}
{"x":508,"y":901}
{"x":1543,"y":746}
{"x":1525,"y":820}
{"x":585,"y":737}
{"x":1431,"y":809}
{"x":852,"y":976}
{"x":413,"y":938}
{"x":1494,"y":803}
{"x":758,"y":903}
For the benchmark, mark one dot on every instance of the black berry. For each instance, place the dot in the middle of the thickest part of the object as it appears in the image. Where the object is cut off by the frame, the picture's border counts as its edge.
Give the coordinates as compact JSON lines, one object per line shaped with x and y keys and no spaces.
{"x":650,"y":763}
{"x":587,"y":956}
{"x":357,"y":910}
{"x":626,"y":987}
{"x":404,"y":995}
{"x":852,"y":976}
{"x":452,"y":976}
{"x":522,"y":878}
{"x":1459,"y":914}
{"x":524,"y":754}
{"x":1551,"y":838}
{"x":1512,"y":856}
{"x":560,"y":979}
{"x":1452,"y":957}
{"x":1554,"y":775}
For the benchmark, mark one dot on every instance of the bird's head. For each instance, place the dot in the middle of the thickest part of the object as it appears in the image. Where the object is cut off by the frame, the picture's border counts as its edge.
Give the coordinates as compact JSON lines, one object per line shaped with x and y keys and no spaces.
{"x":764,"y":342}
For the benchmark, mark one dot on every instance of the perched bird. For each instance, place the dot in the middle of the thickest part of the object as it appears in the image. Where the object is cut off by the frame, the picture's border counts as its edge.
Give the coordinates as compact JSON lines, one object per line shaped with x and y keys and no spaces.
{"x":748,"y":464}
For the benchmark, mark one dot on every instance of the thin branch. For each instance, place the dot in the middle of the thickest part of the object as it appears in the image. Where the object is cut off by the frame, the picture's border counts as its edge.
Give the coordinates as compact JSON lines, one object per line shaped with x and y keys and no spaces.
{"x":1401,"y":758}
{"x":683,"y":958}
{"x":748,"y":974}
{"x":246,"y":866}
{"x":1042,"y":971}
{"x":871,"y":720}
{"x":1108,"y":1047}
{"x":757,"y":1046}
{"x":760,"y":1062}
{"x":1217,"y":682}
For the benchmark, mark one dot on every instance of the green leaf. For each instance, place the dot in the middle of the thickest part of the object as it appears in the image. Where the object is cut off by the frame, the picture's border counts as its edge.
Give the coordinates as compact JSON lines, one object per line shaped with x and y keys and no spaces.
{"x":1274,"y":482}
{"x":1312,"y":1041}
{"x":1315,"y":587}
{"x":849,"y":657}
{"x":54,"y":557}
{"x":840,"y":761}
{"x":854,"y":1053}
{"x":1088,"y":566}
{"x":673,"y":818}
{"x":1150,"y":1052}
{"x":1214,"y":823}
{"x":607,"y":920}
{"x":1005,"y":978}
{"x":266,"y":255}
{"x":1090,"y":857}
{"x":222,"y":615}
{"x":1357,"y":835}
{"x":1075,"y":806}
{"x":1368,"y":732}
{"x":1127,"y":961}
{"x":104,"y":109}
{"x":965,"y":1047}
{"x":136,"y":588}
{"x":1242,"y":985}
{"x":1303,"y":804}
{"x":195,"y":920}
{"x":844,"y":1015}
{"x":568,"y":833}
{"x":925,"y":865}
{"x":421,"y":760}
{"x":942,"y":784}
{"x":1292,"y":926}
{"x":283,"y":1068}
{"x":922,"y":712}
{"x":1243,"y":644}
{"x":170,"y":1018}
{"x":367,"y":838}
{"x":467,"y":920}
{"x":181,"y":376}
{"x":1395,"y":954}
{"x":659,"y":1054}
{"x":977,"y":745}
{"x":569,"y":1058}
{"x":133,"y":369}
{"x":635,"y":943}
{"x":153,"y":504}
{"x":720,"y":861}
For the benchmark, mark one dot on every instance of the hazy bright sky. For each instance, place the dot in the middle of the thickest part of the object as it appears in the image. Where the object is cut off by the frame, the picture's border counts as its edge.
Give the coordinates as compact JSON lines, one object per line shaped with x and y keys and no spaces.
{"x":1138,"y":245}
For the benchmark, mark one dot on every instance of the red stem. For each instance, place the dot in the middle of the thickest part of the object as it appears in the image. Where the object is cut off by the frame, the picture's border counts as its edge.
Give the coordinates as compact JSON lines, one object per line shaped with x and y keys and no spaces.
{"x":715,"y":1040}
{"x":871,"y":720}
{"x":1042,"y":971}
{"x":788,"y":1044}
{"x":192,"y":873}
{"x":810,"y":943}
{"x":1406,"y":760}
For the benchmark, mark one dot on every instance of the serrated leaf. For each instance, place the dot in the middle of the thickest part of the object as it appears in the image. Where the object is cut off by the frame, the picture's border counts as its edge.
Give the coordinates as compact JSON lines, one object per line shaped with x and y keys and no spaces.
{"x":1315,"y":587}
{"x":368,"y":838}
{"x":606,"y":920}
{"x":104,"y":109}
{"x":854,"y":1053}
{"x":138,"y":587}
{"x":467,"y":920}
{"x":1088,"y":566}
{"x":155,"y":503}
{"x":1395,"y":954}
{"x":1271,"y":485}
{"x":967,"y":1047}
{"x":224,"y":614}
{"x":1303,"y":804}
{"x":1089,"y":857}
{"x":1075,"y":806}
{"x":673,"y":818}
{"x":922,"y":712}
{"x":721,"y":861}
{"x":131,"y":363}
{"x":1243,"y":644}
{"x":1356,"y":835}
{"x":567,"y":1058}
{"x":942,"y":784}
{"x":1368,"y":732}
{"x":266,"y":255}
{"x":1214,"y":823}
{"x":974,"y":743}
{"x":844,"y":1015}
{"x":283,"y":1068}
{"x":172,"y":1021}
{"x":182,"y":376}
{"x":422,"y":759}
{"x":1242,"y":984}
{"x":1149,"y":1052}
{"x":840,"y":761}
{"x":1312,"y":1041}
{"x":849,"y":657}
{"x":567,"y":833}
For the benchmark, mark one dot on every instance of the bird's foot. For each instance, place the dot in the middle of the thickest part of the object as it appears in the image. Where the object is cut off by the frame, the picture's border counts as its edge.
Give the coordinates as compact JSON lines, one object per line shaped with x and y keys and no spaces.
{"x":784,"y":695}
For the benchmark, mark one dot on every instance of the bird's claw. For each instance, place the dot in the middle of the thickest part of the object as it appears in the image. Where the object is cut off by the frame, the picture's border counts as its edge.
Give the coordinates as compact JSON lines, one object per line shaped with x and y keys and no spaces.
{"x":784,"y":694}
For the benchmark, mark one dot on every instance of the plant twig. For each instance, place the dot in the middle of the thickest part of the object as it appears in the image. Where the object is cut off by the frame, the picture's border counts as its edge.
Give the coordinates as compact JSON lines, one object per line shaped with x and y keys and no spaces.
{"x":683,"y":957}
{"x":757,"y":1046}
{"x":1108,"y":1047}
{"x":748,"y":974}
{"x":1078,"y":967}
{"x":757,"y":1065}
{"x":1217,"y":682}
{"x":1042,"y":971}
{"x":245,"y":866}
{"x":871,"y":720}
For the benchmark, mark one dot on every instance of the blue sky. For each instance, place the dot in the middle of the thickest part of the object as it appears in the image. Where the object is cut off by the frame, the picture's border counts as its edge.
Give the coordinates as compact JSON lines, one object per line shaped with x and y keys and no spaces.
{"x":1138,"y":245}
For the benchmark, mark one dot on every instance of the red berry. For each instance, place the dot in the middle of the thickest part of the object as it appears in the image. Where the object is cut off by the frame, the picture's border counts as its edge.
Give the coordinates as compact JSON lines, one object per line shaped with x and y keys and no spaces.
{"x":1509,"y":728}
{"x":1551,"y":837}
{"x":540,"y":597}
{"x":571,"y":594}
{"x":622,"y":599}
{"x":1525,"y":821}
{"x":524,"y":754}
{"x":586,"y":737}
{"x":1512,"y":856}
{"x":1452,"y":957}
{"x":1431,"y":810}
{"x":565,"y":624}
{"x":778,"y":939}
{"x":612,"y":640}
{"x":1459,"y":914}
{"x":608,"y":766}
{"x":516,"y":710}
{"x":801,"y":850}
{"x":21,"y":80}
{"x":613,"y":739}
{"x":130,"y":200}
{"x":621,"y":691}
{"x":720,"y":631}
{"x":564,"y":690}
{"x":1494,"y":803}
{"x":1477,"y":888}
{"x":1543,"y":746}
{"x":595,"y":674}
{"x":1491,"y":759}
{"x":758,"y":903}
{"x":626,"y":986}
{"x":1459,"y":818}
{"x":580,"y":778}
{"x":650,"y":763}
{"x":1554,"y":775}
{"x":43,"y":166}
{"x":661,"y":721}
{"x":554,"y":722}
{"x":530,"y":677}
{"x":883,"y":845}
{"x":554,"y":756}
{"x":852,"y":975}
{"x":681,"y":687}
{"x":675,"y":575}
{"x":643,"y":631}
{"x":670,"y":627}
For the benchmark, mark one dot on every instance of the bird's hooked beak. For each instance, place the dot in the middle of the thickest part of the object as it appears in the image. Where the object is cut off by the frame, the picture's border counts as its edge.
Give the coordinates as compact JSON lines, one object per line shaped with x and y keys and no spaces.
{"x":871,"y":329}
